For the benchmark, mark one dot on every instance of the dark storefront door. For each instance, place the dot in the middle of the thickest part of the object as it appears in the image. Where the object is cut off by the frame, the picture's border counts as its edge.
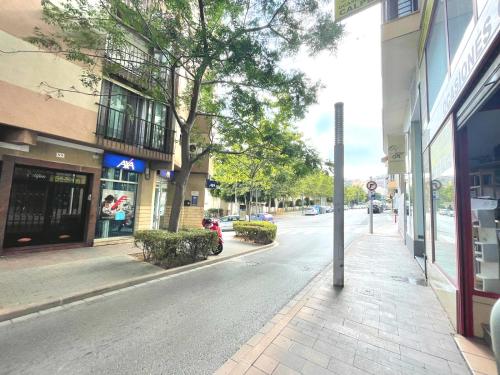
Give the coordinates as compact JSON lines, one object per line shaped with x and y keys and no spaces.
{"x":46,"y":207}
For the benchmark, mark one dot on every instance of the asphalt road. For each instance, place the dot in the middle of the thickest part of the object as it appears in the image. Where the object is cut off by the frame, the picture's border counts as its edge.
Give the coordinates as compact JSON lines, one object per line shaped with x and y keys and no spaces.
{"x":190,"y":323}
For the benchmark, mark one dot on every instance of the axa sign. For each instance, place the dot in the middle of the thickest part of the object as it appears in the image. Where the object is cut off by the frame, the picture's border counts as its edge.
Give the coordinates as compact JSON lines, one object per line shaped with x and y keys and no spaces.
{"x":123,"y":162}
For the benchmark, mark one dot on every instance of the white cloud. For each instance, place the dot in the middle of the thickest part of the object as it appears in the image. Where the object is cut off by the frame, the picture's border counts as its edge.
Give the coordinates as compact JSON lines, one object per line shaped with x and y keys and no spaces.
{"x":352,"y":76}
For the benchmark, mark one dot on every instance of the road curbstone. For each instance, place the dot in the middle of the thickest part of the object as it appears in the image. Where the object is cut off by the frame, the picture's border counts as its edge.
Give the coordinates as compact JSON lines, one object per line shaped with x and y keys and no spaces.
{"x":24,"y":313}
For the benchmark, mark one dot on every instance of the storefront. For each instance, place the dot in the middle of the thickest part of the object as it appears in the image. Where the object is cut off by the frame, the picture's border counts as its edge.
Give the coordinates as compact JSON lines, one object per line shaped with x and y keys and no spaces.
{"x":118,"y":195}
{"x":478,"y":160}
{"x":460,"y":158}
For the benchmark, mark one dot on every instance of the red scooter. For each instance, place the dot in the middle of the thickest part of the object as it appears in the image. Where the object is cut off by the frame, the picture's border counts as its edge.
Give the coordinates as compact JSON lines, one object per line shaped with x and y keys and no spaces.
{"x":210,"y":224}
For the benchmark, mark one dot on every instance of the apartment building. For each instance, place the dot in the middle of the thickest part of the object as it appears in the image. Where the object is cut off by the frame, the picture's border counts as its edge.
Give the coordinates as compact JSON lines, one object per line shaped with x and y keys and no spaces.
{"x":441,"y":129}
{"x":79,"y":169}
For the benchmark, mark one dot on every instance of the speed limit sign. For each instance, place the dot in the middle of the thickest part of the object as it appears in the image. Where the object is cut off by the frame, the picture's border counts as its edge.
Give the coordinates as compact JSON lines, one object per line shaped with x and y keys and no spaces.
{"x":371,"y":185}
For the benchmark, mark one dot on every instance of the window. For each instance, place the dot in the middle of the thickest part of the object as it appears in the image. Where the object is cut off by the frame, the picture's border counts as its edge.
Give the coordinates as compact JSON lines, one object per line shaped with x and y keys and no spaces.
{"x":459,"y":16}
{"x":130,"y":118}
{"x":437,"y":59}
{"x":443,"y":201}
{"x":117,"y":203}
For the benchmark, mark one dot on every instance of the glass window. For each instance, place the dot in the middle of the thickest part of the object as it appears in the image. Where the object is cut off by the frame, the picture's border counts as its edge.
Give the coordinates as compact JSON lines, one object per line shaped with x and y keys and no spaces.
{"x":459,"y":15}
{"x":480,"y":4}
{"x":443,"y":201}
{"x":483,"y":144}
{"x":437,"y":60}
{"x":116,"y":215}
{"x":427,"y":205}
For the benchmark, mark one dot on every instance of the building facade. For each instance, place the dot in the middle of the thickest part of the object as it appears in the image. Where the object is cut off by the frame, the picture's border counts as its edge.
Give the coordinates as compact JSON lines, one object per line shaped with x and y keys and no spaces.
{"x":79,"y":169}
{"x":441,"y":107}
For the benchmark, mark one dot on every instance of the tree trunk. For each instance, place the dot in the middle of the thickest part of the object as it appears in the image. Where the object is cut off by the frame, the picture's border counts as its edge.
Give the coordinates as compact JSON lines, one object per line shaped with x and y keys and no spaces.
{"x":245,"y":200}
{"x":177,"y":204}
{"x":180,"y":183}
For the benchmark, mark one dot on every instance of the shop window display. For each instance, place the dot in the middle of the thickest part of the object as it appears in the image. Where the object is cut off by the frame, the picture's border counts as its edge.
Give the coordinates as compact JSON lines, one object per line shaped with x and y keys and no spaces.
{"x":483,"y":139}
{"x":116,"y":216}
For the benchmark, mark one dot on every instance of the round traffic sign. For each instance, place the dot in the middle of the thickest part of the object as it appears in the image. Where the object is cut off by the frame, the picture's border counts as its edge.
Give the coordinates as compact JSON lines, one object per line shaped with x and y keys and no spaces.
{"x":436,"y":184}
{"x":371,"y":185}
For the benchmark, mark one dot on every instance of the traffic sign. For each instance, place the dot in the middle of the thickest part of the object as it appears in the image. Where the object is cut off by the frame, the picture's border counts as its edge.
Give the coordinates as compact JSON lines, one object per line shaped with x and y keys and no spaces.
{"x":371,"y":185}
{"x":436,"y":184}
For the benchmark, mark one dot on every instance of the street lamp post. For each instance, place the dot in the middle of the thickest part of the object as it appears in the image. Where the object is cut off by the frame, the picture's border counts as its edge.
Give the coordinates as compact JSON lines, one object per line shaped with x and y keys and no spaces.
{"x":338,"y":199}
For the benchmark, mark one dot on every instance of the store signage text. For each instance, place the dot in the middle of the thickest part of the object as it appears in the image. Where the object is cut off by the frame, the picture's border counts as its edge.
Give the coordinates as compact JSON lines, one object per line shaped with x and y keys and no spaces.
{"x":123,"y":162}
{"x":482,"y":36}
{"x":346,"y":8}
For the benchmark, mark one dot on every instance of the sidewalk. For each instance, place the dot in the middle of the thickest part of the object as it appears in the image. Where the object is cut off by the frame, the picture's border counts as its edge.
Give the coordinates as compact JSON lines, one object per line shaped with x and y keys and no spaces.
{"x":384,"y":321}
{"x":37,"y":281}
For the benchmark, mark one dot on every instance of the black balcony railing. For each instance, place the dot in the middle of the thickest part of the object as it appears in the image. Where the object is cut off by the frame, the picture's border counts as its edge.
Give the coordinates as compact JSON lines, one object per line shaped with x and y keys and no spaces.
{"x":120,"y":126}
{"x":394,"y":9}
{"x":135,"y":65}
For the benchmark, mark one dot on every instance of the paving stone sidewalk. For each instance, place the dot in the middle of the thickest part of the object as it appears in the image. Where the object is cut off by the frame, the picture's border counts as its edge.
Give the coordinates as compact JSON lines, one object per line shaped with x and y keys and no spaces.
{"x":384,"y":321}
{"x":33,"y":281}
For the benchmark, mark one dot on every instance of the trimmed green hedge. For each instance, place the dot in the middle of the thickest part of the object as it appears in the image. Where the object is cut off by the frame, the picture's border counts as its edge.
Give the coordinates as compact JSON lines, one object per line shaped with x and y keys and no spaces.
{"x":167,"y":249}
{"x":261,"y":232}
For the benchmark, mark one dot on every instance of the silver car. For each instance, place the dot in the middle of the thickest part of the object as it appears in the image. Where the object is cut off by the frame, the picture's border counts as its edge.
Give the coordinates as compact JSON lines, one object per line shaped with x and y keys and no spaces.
{"x":226,"y":222}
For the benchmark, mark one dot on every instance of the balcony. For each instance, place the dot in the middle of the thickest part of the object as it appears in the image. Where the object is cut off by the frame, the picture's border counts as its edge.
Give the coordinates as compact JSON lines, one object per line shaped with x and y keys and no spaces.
{"x":124,"y":132}
{"x":134,"y":65}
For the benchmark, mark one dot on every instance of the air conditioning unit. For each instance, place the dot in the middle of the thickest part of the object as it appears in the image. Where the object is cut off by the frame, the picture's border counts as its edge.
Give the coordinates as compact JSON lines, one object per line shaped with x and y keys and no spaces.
{"x":195,"y":149}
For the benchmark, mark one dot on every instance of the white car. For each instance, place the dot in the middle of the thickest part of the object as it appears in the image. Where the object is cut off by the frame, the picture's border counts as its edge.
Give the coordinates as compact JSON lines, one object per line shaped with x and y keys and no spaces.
{"x":311,"y":211}
{"x":226,"y":222}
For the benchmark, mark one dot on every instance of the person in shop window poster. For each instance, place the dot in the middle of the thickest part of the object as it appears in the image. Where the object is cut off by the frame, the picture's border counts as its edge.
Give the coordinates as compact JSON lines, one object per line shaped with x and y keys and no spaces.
{"x":118,"y":208}
{"x":108,"y":210}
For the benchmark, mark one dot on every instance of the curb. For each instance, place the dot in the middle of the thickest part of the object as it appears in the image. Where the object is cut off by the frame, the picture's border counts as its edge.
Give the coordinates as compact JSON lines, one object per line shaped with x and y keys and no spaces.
{"x":31,"y":309}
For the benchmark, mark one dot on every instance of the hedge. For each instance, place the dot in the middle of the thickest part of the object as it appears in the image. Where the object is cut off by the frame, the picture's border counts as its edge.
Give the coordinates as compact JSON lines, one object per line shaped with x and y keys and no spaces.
{"x":261,"y":232}
{"x":168,"y":249}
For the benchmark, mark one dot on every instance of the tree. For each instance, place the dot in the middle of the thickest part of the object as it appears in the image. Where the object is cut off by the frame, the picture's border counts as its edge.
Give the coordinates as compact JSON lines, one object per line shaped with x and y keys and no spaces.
{"x":273,"y":170}
{"x":354,"y":194}
{"x":316,"y":185}
{"x":228,"y":52}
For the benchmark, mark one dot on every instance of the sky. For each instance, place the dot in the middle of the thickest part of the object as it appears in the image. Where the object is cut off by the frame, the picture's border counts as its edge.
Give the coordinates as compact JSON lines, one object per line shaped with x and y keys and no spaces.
{"x":351,"y":75}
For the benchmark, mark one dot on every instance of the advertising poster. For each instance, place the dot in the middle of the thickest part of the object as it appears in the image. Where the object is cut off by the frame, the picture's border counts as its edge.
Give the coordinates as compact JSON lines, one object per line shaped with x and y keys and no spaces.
{"x":117,"y":205}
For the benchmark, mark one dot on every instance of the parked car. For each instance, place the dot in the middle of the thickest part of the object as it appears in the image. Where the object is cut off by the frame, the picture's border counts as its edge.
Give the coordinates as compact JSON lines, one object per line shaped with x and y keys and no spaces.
{"x":263,"y":217}
{"x":329,"y":209}
{"x":226,"y":222}
{"x":376,"y":208}
{"x":311,"y":211}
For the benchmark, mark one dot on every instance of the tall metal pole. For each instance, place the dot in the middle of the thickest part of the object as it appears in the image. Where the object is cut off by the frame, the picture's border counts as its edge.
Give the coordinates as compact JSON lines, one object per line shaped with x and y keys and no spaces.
{"x":338,"y":198}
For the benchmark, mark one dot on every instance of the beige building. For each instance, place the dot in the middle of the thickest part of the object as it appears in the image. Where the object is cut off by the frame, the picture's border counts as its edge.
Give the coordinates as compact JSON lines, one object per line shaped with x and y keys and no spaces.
{"x":441,"y":104}
{"x":77,"y":168}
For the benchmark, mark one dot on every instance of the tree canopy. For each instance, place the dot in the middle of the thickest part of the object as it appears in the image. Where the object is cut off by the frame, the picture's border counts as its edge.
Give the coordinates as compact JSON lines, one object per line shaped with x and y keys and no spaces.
{"x":227,"y":53}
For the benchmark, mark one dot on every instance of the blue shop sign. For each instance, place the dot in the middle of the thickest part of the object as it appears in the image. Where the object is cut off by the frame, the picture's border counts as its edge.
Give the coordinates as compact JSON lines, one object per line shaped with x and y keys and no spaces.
{"x":167,"y":174}
{"x":212,"y":184}
{"x":124,"y":162}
